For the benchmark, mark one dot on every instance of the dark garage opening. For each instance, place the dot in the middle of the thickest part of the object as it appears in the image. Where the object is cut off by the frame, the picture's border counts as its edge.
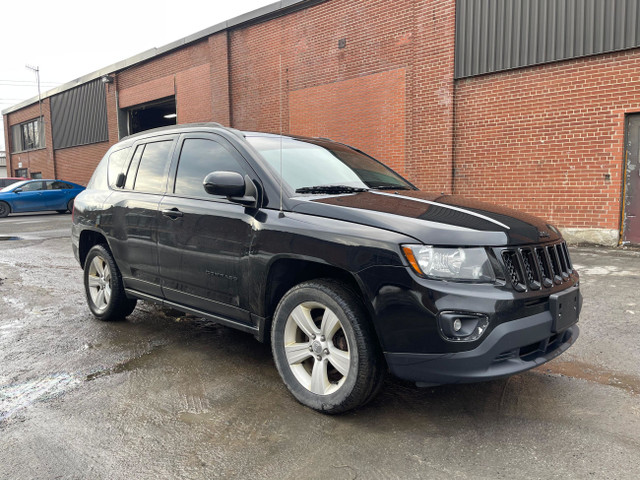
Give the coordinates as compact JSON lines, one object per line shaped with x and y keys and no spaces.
{"x":159,"y":113}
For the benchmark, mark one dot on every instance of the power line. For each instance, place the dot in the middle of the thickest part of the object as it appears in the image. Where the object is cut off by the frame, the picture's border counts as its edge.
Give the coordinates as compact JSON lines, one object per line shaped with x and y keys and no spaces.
{"x":28,"y":86}
{"x":30,"y":82}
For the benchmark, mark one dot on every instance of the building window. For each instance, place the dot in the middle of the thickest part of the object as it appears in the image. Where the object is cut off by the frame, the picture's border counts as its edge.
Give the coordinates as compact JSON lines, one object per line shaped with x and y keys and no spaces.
{"x":27,"y":136}
{"x":21,"y":172}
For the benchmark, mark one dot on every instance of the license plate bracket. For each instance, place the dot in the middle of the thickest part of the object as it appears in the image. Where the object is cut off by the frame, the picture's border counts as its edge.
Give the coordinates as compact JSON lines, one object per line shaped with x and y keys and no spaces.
{"x":565,"y":308}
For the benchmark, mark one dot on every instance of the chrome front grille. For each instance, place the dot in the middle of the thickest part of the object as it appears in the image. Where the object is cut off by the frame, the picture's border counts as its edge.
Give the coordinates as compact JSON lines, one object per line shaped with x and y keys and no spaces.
{"x":533,"y":268}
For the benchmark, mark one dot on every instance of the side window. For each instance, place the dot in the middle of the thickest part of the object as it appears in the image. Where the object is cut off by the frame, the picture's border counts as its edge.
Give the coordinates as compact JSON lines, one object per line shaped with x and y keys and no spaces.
{"x":57,"y":185}
{"x":32,"y":187}
{"x":116,"y":164}
{"x":199,"y":157}
{"x":154,"y":165}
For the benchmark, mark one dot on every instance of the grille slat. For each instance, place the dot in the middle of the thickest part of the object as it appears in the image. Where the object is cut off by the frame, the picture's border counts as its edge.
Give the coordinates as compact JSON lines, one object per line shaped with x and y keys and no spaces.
{"x":555,"y":264}
{"x":531,"y":269}
{"x":513,"y":270}
{"x":537,"y":267}
{"x":544,"y":267}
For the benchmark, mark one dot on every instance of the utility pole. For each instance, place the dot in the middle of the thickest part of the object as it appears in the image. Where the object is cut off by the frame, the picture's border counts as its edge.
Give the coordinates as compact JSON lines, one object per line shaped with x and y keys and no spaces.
{"x":36,"y":70}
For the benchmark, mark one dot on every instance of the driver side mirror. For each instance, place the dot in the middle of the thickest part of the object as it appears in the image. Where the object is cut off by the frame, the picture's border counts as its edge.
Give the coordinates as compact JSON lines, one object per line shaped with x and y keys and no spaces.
{"x":17,"y":190}
{"x":233,"y":185}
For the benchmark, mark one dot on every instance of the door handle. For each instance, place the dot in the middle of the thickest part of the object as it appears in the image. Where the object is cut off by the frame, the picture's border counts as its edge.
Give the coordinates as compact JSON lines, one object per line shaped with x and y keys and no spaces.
{"x":172,"y":213}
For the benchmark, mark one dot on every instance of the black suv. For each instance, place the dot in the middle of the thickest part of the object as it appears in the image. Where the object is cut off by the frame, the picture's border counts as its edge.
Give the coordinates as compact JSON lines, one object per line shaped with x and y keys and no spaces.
{"x":347,"y":268}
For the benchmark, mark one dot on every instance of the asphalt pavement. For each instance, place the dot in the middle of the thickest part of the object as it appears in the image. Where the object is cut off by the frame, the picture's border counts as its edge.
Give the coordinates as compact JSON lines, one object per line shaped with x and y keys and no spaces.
{"x":165,"y":395}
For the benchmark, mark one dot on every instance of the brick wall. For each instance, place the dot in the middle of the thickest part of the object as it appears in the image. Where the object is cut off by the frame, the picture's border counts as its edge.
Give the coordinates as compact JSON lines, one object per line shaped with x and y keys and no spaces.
{"x":169,"y":64}
{"x":193,"y":95}
{"x":296,"y":59}
{"x":367,"y":112}
{"x":219,"y":71}
{"x":40,"y":160}
{"x":77,"y":164}
{"x":147,"y":91}
{"x":431,"y":87}
{"x":549,"y":139}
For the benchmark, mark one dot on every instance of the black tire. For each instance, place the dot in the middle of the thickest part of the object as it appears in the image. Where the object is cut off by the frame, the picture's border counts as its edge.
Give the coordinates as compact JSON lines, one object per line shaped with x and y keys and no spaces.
{"x":70,"y":205}
{"x":5,"y":209}
{"x":101,"y":274}
{"x":333,"y":391}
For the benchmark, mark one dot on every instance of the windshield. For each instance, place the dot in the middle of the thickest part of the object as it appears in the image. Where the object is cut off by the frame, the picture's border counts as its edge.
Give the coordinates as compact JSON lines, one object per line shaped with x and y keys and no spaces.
{"x":306,"y":165}
{"x":9,"y":188}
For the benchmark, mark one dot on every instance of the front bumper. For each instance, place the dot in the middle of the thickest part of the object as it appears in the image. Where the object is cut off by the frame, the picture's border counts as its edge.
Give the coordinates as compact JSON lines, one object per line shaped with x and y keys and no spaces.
{"x":510,"y":348}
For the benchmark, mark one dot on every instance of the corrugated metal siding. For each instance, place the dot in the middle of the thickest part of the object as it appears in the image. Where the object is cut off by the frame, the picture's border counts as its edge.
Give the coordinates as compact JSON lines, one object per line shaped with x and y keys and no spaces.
{"x":79,"y":116}
{"x":494,"y":35}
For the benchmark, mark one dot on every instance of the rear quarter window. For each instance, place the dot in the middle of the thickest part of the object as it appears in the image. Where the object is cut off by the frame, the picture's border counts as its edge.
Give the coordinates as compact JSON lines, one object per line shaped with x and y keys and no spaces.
{"x":117,"y":161}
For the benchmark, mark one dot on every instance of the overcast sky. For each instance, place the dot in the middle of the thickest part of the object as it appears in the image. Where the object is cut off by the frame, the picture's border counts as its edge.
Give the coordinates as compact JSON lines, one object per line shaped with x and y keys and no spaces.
{"x":67,"y":39}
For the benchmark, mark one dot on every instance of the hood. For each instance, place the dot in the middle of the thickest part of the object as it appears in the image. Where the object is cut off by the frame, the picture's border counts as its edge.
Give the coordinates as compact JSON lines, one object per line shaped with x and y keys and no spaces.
{"x":432,"y":219}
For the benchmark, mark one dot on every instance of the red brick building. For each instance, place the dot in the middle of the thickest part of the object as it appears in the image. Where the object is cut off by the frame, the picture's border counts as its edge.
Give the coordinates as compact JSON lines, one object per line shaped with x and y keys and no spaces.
{"x":522,"y":103}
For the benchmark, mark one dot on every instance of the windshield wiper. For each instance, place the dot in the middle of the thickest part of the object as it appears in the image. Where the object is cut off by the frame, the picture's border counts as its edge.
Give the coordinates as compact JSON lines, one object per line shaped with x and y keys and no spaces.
{"x":390,"y":187}
{"x":330,"y":189}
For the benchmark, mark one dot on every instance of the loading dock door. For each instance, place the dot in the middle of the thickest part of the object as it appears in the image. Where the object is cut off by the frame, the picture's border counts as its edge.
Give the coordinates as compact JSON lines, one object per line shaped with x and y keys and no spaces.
{"x":631,"y":213}
{"x":159,"y":113}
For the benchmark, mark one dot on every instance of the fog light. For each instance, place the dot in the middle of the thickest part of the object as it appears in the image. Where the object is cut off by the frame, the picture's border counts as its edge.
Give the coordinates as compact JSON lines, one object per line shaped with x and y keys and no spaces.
{"x":462,"y":326}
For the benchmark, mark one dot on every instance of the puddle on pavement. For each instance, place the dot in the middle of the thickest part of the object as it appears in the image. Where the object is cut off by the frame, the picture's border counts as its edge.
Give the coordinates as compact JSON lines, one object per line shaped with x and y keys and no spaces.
{"x":592,"y":373}
{"x":126,"y":366}
{"x":17,"y":397}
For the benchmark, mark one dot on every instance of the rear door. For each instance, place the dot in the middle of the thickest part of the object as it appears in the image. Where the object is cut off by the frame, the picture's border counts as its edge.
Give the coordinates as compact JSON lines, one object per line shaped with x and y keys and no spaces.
{"x":133,"y":216}
{"x":204,"y":240}
{"x":55,"y":194}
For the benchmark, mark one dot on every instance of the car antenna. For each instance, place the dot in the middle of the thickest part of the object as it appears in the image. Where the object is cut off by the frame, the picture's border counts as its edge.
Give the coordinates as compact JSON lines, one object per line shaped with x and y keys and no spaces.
{"x":281,"y":214}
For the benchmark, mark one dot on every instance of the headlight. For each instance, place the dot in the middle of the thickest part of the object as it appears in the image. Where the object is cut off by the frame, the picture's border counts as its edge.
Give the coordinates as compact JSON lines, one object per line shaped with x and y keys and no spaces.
{"x":462,"y":264}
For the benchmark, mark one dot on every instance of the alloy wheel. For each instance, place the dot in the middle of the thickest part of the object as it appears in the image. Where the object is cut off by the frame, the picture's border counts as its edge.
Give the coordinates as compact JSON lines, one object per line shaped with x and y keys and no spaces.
{"x":99,"y":282}
{"x":316,"y":348}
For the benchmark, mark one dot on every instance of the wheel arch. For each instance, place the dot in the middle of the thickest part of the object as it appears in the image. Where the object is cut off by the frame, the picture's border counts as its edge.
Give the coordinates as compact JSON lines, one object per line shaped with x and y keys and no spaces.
{"x":285,"y":273}
{"x":89,"y":238}
{"x":8,"y":204}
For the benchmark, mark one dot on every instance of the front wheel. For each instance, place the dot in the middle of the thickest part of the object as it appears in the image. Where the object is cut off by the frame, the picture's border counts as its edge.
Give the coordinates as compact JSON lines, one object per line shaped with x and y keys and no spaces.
{"x":324,"y":347}
{"x":103,"y":286}
{"x":4,"y":209}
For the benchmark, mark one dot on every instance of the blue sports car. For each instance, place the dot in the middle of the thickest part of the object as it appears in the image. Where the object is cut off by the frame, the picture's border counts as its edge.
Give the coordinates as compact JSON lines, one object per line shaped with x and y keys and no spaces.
{"x":37,"y":195}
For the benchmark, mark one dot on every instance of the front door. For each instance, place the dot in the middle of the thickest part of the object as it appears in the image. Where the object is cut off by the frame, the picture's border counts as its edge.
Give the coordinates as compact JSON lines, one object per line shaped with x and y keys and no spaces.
{"x":631,"y":211}
{"x":29,"y":198}
{"x":204,"y":240}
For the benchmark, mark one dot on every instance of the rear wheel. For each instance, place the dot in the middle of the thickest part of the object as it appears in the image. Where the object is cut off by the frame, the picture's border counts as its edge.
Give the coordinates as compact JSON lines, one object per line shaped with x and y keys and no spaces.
{"x":103,"y":286}
{"x":70,"y":205}
{"x":324,"y":348}
{"x":4,"y":209}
